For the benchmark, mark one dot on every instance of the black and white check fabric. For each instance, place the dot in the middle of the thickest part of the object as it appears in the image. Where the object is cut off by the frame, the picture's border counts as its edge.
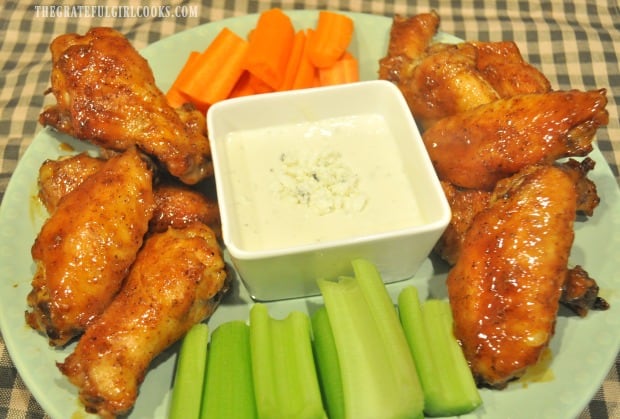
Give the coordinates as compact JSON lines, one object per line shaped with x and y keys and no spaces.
{"x":576,"y":44}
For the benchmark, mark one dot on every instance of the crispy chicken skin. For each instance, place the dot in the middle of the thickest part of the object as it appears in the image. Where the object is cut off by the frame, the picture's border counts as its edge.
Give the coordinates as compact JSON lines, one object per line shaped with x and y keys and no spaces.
{"x":587,"y":194}
{"x":505,"y":287}
{"x":439,"y":79}
{"x":465,"y":204}
{"x":106,"y":94}
{"x":59,"y":177}
{"x":178,"y":206}
{"x":409,"y":38}
{"x":85,"y":248}
{"x":445,"y":82}
{"x":176,"y":282}
{"x":502,"y":65}
{"x":580,"y":292}
{"x":498,"y":139}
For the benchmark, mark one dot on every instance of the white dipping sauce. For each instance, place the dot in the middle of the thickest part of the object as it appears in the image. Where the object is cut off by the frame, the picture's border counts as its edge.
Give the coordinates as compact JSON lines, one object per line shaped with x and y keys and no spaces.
{"x":319,"y":181}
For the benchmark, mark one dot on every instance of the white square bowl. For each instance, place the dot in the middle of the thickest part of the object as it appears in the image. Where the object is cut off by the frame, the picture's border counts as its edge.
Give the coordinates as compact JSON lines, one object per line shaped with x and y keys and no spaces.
{"x":273,"y":270}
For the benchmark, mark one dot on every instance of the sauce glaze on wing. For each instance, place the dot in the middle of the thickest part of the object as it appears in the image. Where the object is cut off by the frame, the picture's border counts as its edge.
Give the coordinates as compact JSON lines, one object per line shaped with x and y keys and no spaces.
{"x":177,"y":281}
{"x":506,"y":285}
{"x":106,"y":94}
{"x":85,"y":248}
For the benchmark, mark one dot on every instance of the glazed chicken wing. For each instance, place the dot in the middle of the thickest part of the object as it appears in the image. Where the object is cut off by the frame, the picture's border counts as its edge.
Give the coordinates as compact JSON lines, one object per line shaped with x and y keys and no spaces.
{"x":58,"y":178}
{"x":502,"y":65}
{"x":580,"y":292}
{"x":106,"y":94}
{"x":476,"y":148}
{"x":465,"y":204}
{"x":178,"y":206}
{"x":587,"y":194}
{"x":84,"y":250}
{"x":409,"y":38}
{"x":439,"y":79}
{"x":445,"y":82}
{"x":506,"y":285}
{"x":176,"y":282}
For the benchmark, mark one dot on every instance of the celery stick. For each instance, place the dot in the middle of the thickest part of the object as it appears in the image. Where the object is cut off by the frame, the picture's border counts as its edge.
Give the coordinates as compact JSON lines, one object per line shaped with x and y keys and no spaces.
{"x":448,"y":384}
{"x":327,"y":364}
{"x":285,"y":380}
{"x":379,"y":377}
{"x":229,"y":390}
{"x":189,"y":375}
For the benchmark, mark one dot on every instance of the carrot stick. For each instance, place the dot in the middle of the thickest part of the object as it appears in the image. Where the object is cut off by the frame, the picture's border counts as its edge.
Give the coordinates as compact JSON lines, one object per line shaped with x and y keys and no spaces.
{"x":292,"y":67}
{"x":174,"y":96}
{"x":270,"y":47}
{"x":306,"y":72}
{"x":331,"y":39}
{"x":345,"y":70}
{"x":243,"y":86}
{"x":217,"y":69}
{"x":259,"y":85}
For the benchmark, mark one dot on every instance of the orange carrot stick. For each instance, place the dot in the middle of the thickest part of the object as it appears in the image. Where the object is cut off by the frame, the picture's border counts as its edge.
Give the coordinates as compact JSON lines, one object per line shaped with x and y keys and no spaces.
{"x":345,"y":70}
{"x":292,"y":67}
{"x":259,"y":85}
{"x":217,"y":69}
{"x":174,"y":96}
{"x":243,"y":86}
{"x":306,"y":72}
{"x":270,"y":47}
{"x":331,"y":38}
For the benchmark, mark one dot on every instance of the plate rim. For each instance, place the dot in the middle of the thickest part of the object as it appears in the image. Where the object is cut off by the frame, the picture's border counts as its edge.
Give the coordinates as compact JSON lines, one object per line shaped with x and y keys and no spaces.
{"x":40,"y":392}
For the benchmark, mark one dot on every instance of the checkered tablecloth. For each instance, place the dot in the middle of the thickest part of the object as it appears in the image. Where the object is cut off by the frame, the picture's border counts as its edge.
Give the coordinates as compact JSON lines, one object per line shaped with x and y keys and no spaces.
{"x":576,"y":43}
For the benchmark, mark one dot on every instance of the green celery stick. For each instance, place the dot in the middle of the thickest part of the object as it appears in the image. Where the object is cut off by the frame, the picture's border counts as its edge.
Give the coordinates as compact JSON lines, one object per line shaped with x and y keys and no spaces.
{"x":379,"y":377}
{"x":189,"y":374}
{"x":285,"y":379}
{"x":229,"y":390}
{"x":327,"y":364}
{"x":447,"y":381}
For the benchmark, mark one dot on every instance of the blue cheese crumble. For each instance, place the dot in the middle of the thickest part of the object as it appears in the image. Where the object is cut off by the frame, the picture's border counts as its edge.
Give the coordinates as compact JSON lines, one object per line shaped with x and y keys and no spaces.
{"x":320,"y":181}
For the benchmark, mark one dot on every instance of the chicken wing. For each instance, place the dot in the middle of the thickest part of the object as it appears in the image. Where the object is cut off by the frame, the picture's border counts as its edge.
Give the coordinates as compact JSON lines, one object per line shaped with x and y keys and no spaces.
{"x":506,"y":285}
{"x":178,"y":206}
{"x":439,"y":79}
{"x":409,"y":38}
{"x":106,"y":94}
{"x":85,"y":248}
{"x":580,"y":292}
{"x":502,"y":65}
{"x":445,"y":82}
{"x":176,"y":281}
{"x":587,"y":194}
{"x":465,"y":204}
{"x":58,"y":178}
{"x":476,"y":148}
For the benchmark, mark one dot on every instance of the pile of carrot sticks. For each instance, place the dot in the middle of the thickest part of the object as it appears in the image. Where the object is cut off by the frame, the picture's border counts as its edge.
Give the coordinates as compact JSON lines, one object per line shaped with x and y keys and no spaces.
{"x":274,"y":57}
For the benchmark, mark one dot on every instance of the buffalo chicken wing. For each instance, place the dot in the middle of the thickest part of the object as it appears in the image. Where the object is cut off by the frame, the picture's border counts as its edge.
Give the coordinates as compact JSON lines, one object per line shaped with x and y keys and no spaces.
{"x":176,"y":282}
{"x":506,"y":285}
{"x":477,"y":148}
{"x":106,"y":94}
{"x":85,"y":248}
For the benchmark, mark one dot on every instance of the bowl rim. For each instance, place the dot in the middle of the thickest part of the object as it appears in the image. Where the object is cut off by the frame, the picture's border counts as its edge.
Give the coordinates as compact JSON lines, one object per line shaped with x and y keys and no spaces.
{"x":439,"y":221}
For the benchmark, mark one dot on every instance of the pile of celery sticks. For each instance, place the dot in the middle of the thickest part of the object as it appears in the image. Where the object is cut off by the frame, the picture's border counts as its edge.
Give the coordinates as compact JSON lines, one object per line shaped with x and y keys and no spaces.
{"x":357,"y":356}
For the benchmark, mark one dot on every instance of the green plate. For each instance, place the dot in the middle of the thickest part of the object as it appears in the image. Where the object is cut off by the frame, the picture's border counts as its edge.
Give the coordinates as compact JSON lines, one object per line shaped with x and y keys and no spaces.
{"x":583,"y":350}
